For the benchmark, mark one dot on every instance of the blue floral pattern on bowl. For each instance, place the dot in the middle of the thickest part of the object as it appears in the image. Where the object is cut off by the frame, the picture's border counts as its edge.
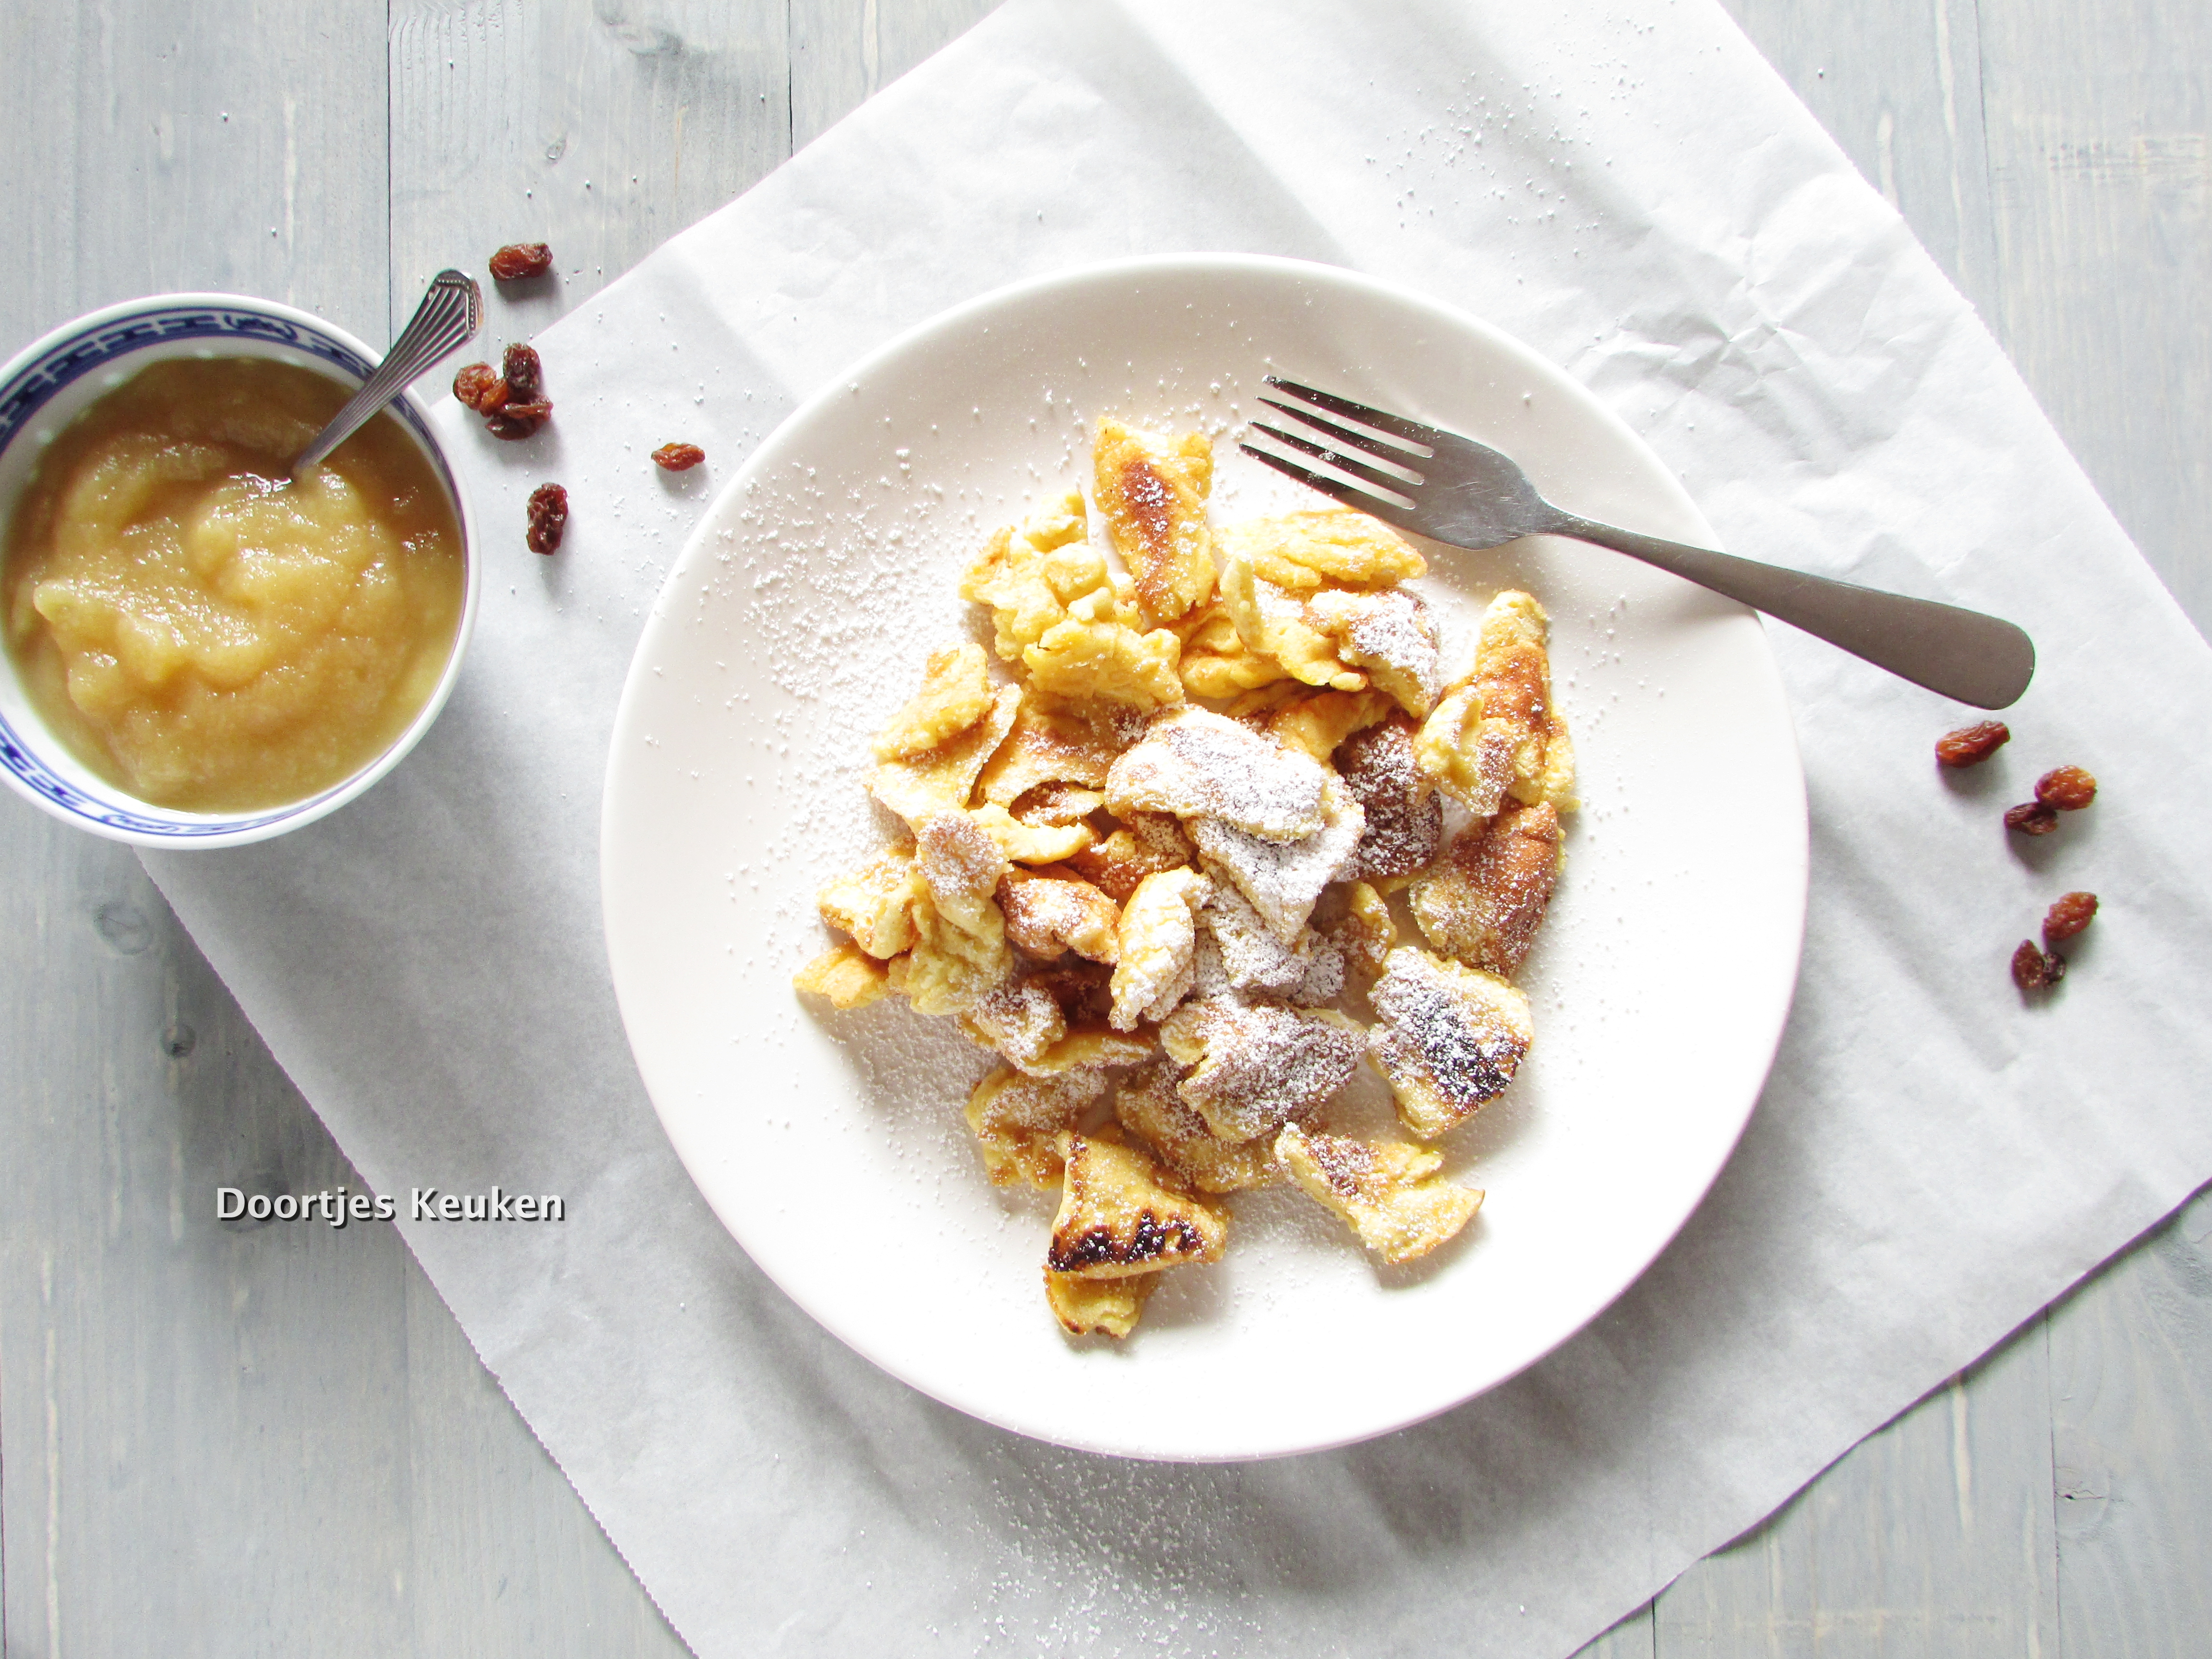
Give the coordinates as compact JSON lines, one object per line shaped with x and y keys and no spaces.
{"x":100,"y":341}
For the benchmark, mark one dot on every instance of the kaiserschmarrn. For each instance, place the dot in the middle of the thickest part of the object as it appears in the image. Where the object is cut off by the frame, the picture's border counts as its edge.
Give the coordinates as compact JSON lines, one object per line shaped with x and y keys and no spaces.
{"x":1213,"y":830}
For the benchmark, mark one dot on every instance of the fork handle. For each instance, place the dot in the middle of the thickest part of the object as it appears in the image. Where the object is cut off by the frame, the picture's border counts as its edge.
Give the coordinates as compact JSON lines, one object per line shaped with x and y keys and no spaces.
{"x":1964,"y":654}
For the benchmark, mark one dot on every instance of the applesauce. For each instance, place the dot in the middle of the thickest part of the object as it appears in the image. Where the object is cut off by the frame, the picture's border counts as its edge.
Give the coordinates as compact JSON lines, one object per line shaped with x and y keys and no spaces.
{"x":207,"y":633}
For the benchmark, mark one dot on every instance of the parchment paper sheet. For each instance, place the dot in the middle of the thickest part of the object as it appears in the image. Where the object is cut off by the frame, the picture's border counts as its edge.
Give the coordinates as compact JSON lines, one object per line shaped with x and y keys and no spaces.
{"x":1630,"y":189}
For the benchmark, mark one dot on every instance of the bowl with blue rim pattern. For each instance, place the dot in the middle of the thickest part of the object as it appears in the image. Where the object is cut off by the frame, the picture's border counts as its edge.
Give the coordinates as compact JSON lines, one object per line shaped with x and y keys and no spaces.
{"x":54,"y":380}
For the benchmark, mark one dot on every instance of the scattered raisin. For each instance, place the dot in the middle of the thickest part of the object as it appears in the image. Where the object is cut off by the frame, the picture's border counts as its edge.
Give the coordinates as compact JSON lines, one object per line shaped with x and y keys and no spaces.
{"x":479,"y":386}
{"x":519,"y":420}
{"x":524,"y":373}
{"x":2032,"y":818}
{"x":2036,"y":970}
{"x":519,"y":260}
{"x":678,"y":458}
{"x":549,"y":517}
{"x":2068,"y":789}
{"x":2069,"y":916}
{"x":1970,"y":745}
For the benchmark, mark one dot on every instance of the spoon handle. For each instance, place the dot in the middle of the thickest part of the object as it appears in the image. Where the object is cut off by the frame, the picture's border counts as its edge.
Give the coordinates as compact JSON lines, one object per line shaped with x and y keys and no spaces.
{"x":449,"y":317}
{"x":1976,"y":659}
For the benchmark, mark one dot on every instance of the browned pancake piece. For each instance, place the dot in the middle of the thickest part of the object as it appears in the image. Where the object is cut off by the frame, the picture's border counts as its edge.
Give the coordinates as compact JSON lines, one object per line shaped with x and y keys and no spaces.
{"x":1388,"y":1191}
{"x":1448,"y":1038}
{"x":1485,"y":900}
{"x":1120,"y":1213}
{"x":1152,"y":489}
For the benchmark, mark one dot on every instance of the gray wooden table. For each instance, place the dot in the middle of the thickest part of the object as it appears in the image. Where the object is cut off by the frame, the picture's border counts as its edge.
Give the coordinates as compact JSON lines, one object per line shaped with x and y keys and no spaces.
{"x":277,"y":1441}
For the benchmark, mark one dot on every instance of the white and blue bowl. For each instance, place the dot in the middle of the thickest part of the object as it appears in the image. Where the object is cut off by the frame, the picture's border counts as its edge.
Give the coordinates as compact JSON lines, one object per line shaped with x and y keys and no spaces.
{"x":46,"y":386}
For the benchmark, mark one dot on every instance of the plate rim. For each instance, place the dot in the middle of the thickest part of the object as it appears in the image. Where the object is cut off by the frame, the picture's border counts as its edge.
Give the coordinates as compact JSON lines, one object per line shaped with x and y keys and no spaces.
{"x":949,"y":320}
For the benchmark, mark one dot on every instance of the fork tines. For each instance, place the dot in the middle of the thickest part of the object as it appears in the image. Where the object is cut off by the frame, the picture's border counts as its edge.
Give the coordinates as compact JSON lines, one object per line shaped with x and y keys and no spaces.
{"x":1395,"y":442}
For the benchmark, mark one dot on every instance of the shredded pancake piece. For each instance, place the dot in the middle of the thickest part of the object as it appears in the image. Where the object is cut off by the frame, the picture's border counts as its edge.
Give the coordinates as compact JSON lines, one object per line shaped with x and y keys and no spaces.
{"x":875,"y":903}
{"x":1097,"y":1307}
{"x":1055,"y":805}
{"x":960,"y":865}
{"x":1405,"y":814}
{"x":1298,"y":552}
{"x":1145,"y":845}
{"x":941,"y":778}
{"x":1153,"y":491}
{"x":1089,"y":1048}
{"x":1051,"y":742}
{"x":1448,"y":1038}
{"x":960,"y":953}
{"x":1216,"y":662}
{"x":1389,"y":1192}
{"x":1029,"y":575}
{"x":1066,"y":618}
{"x":1282,"y":878}
{"x":1049,"y":914}
{"x":1274,"y":624}
{"x":1018,"y":1120}
{"x":1032,"y":844}
{"x":1366,"y":933}
{"x":1258,"y":1066}
{"x":1157,"y":943}
{"x":955,"y":693}
{"x":1496,"y":733}
{"x":1195,"y":763}
{"x":1485,"y":900}
{"x":1120,"y":1213}
{"x":1020,"y":1020}
{"x":1252,"y":957}
{"x":1148,"y":1107}
{"x":1390,"y":635}
{"x":1318,"y":722}
{"x":845,"y":973}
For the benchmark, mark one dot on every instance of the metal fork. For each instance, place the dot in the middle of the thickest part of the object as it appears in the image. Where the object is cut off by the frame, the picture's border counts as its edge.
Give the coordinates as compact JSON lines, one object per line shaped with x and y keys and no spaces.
{"x":1453,"y":489}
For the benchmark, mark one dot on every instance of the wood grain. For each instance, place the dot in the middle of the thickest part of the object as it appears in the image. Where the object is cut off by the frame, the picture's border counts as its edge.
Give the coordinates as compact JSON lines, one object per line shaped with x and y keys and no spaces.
{"x":602,"y":127}
{"x":277,"y":1440}
{"x":2131,"y":1438}
{"x":1932,"y":1537}
{"x":193,"y":1420}
{"x":2100,"y":166}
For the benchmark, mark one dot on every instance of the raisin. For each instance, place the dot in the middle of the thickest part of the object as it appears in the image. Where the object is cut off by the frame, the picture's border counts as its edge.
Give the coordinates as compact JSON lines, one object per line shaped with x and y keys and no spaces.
{"x":520,"y":420}
{"x":2068,"y":916}
{"x":2068,"y":789}
{"x":2032,"y":818}
{"x":678,"y":458}
{"x":525,"y":374}
{"x":2036,"y":970}
{"x":479,"y":386}
{"x":517,"y":261}
{"x":549,"y":517}
{"x":1970,"y":745}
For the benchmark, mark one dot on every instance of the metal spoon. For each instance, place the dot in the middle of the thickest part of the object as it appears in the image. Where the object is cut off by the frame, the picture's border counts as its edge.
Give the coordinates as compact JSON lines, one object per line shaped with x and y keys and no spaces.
{"x":449,"y":317}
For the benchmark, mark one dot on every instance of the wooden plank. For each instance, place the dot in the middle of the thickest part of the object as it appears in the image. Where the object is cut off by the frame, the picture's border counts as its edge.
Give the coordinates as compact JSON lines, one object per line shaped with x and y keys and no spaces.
{"x":1935,"y":1535}
{"x":1898,"y":84}
{"x":1932,"y":1537}
{"x":602,"y":136}
{"x":213,"y":1407}
{"x":2131,"y":1434}
{"x":2101,"y":168}
{"x":195,"y":1419}
{"x":603,"y":130}
{"x":844,"y":51}
{"x":1634,"y":1637}
{"x":2101,"y":157}
{"x":503,"y":1558}
{"x":167,"y":145}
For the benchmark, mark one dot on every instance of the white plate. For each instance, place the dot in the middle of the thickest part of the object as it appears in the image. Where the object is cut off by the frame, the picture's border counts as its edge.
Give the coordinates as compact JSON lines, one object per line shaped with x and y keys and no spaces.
{"x":832,"y":1146}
